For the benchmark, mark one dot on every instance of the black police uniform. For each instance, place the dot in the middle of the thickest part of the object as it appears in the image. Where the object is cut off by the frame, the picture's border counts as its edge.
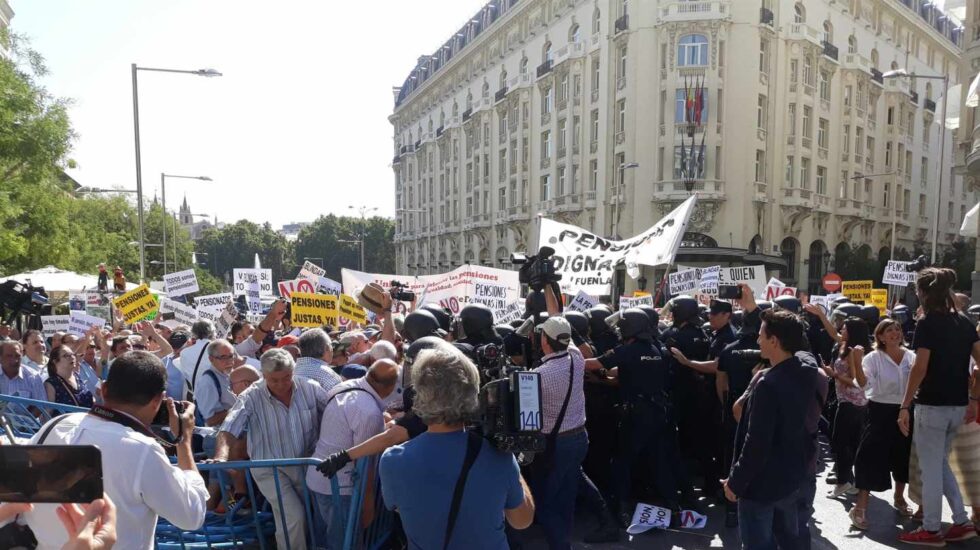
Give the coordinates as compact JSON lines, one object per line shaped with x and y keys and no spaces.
{"x":606,"y":341}
{"x":711,"y":416}
{"x":647,"y":421}
{"x":687,"y":386}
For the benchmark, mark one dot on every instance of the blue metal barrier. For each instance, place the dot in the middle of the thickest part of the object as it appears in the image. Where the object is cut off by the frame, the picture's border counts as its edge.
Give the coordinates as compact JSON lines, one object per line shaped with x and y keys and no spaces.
{"x":23,"y":422}
{"x":255,"y":526}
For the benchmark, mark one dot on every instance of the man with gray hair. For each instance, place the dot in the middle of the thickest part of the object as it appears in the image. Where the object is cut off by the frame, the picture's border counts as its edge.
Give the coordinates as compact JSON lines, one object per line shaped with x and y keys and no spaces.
{"x":281,"y":414}
{"x":314,"y":361}
{"x":424,"y":470}
{"x":213,"y":394}
{"x":384,"y":349}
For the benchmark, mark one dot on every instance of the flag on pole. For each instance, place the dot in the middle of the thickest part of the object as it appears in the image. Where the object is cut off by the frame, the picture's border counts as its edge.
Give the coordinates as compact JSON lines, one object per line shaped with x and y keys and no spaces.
{"x":698,"y":99}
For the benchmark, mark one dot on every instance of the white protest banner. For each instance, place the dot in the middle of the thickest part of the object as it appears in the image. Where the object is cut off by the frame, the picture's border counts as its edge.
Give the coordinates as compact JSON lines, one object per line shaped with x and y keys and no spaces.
{"x":452,"y":290}
{"x":587,"y":260}
{"x":181,"y":282}
{"x":752,"y":275}
{"x":326,"y":285}
{"x":582,"y":302}
{"x":183,"y":314}
{"x":260,"y":277}
{"x":648,"y":516}
{"x":626,"y":302}
{"x":897,"y":274}
{"x":708,"y":280}
{"x":51,"y":324}
{"x":311,"y":272}
{"x":212,"y":301}
{"x":79,"y":323}
{"x":286,"y":288}
{"x":222,"y":324}
{"x":683,"y":282}
{"x":512,"y":312}
{"x":209,"y":313}
{"x":773,"y":291}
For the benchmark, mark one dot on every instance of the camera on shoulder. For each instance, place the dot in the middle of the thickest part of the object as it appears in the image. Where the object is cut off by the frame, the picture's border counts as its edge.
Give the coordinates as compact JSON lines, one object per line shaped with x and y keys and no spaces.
{"x":538,"y":270}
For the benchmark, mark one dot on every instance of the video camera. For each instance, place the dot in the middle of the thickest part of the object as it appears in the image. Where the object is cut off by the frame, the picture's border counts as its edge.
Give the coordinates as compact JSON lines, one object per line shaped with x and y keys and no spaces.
{"x":16,"y":298}
{"x":538,"y":270}
{"x":400,"y":293}
{"x":917,"y":264}
{"x":510,"y":413}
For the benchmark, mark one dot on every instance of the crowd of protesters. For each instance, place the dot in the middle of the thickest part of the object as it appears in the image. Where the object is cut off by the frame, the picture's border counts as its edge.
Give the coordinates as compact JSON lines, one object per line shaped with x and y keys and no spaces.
{"x":721,"y":403}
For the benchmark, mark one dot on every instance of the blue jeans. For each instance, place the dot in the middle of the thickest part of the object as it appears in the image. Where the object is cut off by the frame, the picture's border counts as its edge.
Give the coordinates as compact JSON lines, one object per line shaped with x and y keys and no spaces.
{"x":556,"y":490}
{"x":331,"y":521}
{"x":935,"y":428}
{"x":804,"y":514}
{"x":757,"y":521}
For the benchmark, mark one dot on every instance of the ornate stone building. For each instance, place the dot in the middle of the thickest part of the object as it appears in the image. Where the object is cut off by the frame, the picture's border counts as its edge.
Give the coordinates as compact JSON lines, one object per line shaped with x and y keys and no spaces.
{"x":580,"y":110}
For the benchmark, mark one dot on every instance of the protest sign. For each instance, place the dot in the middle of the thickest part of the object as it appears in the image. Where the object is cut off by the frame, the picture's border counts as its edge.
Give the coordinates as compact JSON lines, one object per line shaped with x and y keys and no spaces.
{"x":693,"y":520}
{"x":102,"y":312}
{"x":648,"y":516}
{"x":209,"y":313}
{"x":773,"y":291}
{"x":51,"y":324}
{"x":183,"y":314}
{"x":858,"y":290}
{"x":351,"y":310}
{"x":286,"y":288}
{"x":752,"y":275}
{"x":775,"y":282}
{"x":311,"y":272}
{"x":248,"y":279}
{"x":587,"y":260}
{"x":683,"y":282}
{"x":213,"y":301}
{"x":137,"y":304}
{"x":821,"y":301}
{"x":626,"y":302}
{"x":79,"y":323}
{"x":313,"y":310}
{"x":492,"y":295}
{"x":327,"y":285}
{"x":452,"y":290}
{"x":708,"y":280}
{"x":582,"y":302}
{"x":512,"y":312}
{"x":897,"y":274}
{"x":181,"y":283}
{"x":879,"y":299}
{"x":228,"y":315}
{"x":77,"y":301}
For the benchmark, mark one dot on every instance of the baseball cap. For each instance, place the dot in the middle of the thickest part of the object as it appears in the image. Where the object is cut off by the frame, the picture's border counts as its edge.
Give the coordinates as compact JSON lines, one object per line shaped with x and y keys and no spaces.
{"x":353,"y":370}
{"x":717,"y":306}
{"x":557,"y":328}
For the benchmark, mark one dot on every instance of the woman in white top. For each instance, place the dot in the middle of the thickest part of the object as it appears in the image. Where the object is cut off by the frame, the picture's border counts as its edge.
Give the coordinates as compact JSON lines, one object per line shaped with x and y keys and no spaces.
{"x":884,"y":451}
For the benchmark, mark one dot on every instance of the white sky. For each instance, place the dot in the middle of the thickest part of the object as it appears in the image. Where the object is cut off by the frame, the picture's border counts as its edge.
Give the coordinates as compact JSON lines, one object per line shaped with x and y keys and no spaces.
{"x":296,"y":128}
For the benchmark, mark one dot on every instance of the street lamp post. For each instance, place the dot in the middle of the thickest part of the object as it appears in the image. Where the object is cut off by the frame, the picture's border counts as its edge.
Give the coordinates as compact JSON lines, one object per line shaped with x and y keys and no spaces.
{"x":163,"y":198}
{"x":136,"y":132}
{"x":362,"y":210}
{"x":894,"y":200}
{"x":899,"y":73}
{"x":359,"y":242}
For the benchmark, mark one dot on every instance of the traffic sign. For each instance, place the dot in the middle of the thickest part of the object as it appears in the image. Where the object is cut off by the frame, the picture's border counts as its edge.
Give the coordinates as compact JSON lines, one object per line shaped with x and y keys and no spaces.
{"x":832,"y":282}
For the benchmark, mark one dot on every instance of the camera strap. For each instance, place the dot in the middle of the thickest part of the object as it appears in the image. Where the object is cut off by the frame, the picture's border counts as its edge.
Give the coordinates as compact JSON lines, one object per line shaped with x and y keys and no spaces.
{"x":193,"y":379}
{"x":125,"y":420}
{"x":564,"y":406}
{"x":473,"y":444}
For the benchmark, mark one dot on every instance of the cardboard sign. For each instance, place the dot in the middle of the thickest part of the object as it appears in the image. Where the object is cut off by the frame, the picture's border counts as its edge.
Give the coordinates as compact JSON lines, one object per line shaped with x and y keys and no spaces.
{"x":773,"y":291}
{"x":822,"y":302}
{"x":311,"y":272}
{"x":212,"y":301}
{"x":512,"y":312}
{"x":183,"y":314}
{"x":582,"y":302}
{"x":79,"y":323}
{"x":246,"y":279}
{"x":897,"y":274}
{"x":313,"y":310}
{"x":775,"y":282}
{"x":708,"y":280}
{"x":693,"y":520}
{"x":683,"y":282}
{"x":879,"y":299}
{"x":286,"y":288}
{"x":752,"y":275}
{"x":648,"y":516}
{"x":626,"y":302}
{"x":137,"y":304}
{"x":51,"y":324}
{"x":858,"y":290}
{"x":181,"y":283}
{"x":351,"y":310}
{"x":327,"y":285}
{"x":222,"y":324}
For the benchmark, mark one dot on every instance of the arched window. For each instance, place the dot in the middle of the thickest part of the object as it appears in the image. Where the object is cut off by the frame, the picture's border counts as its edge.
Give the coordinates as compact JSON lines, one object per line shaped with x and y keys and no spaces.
{"x":546,"y":52}
{"x":442,"y":118}
{"x":523,"y":66}
{"x":894,"y":65}
{"x":486,"y":89}
{"x":788,"y":250}
{"x":874,"y":58}
{"x":828,"y":32}
{"x":799,"y":13}
{"x":852,"y":44}
{"x":692,"y":50}
{"x":574,"y":34}
{"x":503,"y":78}
{"x":595,"y":21}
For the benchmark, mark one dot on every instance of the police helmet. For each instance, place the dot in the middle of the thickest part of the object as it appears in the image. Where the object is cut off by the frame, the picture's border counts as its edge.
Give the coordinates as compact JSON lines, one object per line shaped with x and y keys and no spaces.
{"x":973,"y":312}
{"x":763,"y":305}
{"x":683,"y":309}
{"x":844,"y":311}
{"x":654,"y":316}
{"x":901,"y":313}
{"x":426,"y":342}
{"x":421,"y":323}
{"x":597,"y":320}
{"x":476,"y":321}
{"x":503,"y":330}
{"x":443,"y":315}
{"x":703,"y":311}
{"x":839,"y":301}
{"x":706,"y":327}
{"x":789,"y":303}
{"x":579,"y":322}
{"x":633,"y":323}
{"x":870,"y":315}
{"x":737,"y":318}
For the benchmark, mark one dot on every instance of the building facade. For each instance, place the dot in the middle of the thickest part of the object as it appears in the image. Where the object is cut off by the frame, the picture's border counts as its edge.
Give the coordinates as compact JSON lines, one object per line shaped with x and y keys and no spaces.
{"x":6,"y":14}
{"x":968,"y":145}
{"x":581,"y":111}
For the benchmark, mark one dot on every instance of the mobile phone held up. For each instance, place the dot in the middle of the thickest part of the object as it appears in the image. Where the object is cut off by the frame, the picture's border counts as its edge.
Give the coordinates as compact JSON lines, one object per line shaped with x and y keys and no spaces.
{"x":50,"y":473}
{"x":729,"y":292}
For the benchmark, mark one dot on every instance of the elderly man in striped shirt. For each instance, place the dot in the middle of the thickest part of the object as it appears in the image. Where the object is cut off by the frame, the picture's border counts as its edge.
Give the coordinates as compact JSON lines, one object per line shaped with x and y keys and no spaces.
{"x":282,"y":416}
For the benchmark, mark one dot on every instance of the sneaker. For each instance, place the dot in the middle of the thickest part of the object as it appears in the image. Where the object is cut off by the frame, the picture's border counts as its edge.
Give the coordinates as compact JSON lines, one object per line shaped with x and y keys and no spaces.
{"x":960,"y":532}
{"x":853,"y":490}
{"x":841,"y":490}
{"x":923,"y":538}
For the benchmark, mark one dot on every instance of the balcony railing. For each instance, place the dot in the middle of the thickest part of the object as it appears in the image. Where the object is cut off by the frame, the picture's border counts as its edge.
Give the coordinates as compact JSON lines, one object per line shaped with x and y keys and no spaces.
{"x":499,"y":96}
{"x":830,"y":50}
{"x":766,"y":16}
{"x":914,"y":97}
{"x":467,"y":114}
{"x":877,"y":76}
{"x":544,"y":68}
{"x":440,"y":130}
{"x":930,"y":105}
{"x":622,"y":24}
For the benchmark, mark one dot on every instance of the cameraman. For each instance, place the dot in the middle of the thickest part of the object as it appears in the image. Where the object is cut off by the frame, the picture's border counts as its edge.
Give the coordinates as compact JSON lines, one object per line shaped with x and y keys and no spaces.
{"x":141,"y":481}
{"x":431,"y":468}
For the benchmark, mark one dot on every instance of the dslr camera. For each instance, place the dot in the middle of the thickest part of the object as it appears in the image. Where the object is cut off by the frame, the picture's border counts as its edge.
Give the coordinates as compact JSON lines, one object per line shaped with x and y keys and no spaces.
{"x":538,"y":270}
{"x":400,"y":292}
{"x":510,"y":413}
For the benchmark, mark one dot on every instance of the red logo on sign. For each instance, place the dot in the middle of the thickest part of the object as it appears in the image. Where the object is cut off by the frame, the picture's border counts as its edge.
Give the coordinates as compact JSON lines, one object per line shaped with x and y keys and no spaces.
{"x":831,"y":282}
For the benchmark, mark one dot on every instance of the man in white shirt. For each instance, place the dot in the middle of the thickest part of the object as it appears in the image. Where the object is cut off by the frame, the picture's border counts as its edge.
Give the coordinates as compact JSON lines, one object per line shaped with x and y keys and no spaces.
{"x":137,"y":475}
{"x":354,"y":414}
{"x":212,"y":394}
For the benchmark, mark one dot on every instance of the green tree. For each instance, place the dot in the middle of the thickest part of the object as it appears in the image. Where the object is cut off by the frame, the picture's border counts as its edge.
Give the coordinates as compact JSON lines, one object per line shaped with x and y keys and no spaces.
{"x":235,"y":246}
{"x":321,"y":241}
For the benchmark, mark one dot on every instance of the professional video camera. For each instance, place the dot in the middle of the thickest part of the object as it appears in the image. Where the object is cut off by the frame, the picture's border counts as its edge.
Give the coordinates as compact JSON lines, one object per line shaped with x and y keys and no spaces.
{"x":400,"y":292}
{"x":538,"y":270}
{"x":917,"y":264}
{"x":17,"y":298}
{"x":510,"y":413}
{"x":491,"y":362}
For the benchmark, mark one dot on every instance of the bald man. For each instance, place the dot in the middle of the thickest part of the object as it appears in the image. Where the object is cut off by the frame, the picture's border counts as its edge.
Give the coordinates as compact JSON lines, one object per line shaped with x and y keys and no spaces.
{"x":354,"y":413}
{"x":243,"y":377}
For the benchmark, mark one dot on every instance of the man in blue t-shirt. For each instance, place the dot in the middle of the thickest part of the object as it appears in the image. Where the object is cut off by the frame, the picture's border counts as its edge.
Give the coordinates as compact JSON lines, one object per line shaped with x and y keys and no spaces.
{"x":418,"y":478}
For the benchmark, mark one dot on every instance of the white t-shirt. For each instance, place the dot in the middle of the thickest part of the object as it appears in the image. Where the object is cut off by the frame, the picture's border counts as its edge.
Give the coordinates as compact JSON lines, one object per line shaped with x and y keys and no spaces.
{"x":886,"y":380}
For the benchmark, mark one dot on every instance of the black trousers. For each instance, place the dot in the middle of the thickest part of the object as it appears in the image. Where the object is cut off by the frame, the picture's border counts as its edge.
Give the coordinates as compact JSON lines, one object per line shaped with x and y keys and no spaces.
{"x":848,"y":425}
{"x":884,"y":452}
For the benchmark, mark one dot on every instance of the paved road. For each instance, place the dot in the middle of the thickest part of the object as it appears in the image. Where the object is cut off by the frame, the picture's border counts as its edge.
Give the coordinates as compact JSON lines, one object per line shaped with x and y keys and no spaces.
{"x":831,"y":530}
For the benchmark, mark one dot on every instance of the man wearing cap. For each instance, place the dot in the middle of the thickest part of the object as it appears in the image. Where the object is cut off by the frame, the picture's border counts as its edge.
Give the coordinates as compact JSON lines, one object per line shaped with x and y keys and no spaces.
{"x":556,"y":473}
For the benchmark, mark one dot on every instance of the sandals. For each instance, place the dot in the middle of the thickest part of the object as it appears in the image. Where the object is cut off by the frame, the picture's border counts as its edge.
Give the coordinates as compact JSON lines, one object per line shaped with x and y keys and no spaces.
{"x":857,"y":518}
{"x":902,"y":508}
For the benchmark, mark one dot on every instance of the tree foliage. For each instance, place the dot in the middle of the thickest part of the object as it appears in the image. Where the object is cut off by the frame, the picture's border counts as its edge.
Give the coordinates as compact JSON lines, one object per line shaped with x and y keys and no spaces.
{"x":320,"y":242}
{"x":235,"y":246}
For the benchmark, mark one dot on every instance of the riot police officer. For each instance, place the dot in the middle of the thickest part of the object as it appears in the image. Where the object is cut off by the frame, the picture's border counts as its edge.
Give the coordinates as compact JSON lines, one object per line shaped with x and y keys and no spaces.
{"x":603,"y":338}
{"x":421,"y":323}
{"x":647,"y":420}
{"x":475,"y":326}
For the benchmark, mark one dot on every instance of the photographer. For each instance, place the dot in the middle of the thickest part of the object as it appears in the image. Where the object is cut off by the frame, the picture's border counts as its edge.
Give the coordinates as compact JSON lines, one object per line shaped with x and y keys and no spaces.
{"x":142,"y":481}
{"x":431,"y":469}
